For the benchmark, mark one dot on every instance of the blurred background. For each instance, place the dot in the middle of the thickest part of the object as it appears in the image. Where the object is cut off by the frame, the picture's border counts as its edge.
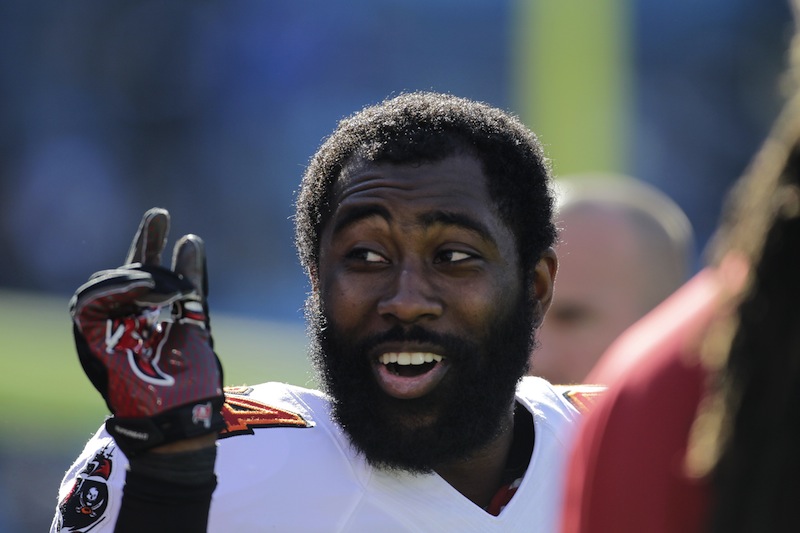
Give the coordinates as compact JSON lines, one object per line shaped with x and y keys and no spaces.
{"x":211,"y":110}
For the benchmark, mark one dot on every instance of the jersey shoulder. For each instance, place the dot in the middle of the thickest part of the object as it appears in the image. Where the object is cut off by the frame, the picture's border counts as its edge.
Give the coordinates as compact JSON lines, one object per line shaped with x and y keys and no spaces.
{"x":269,"y":405}
{"x":581,"y":396}
{"x":540,"y":394}
{"x":248,"y":408}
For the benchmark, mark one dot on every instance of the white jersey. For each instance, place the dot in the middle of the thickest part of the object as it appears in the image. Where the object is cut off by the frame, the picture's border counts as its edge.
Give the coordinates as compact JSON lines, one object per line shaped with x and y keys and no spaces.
{"x":284,"y":465}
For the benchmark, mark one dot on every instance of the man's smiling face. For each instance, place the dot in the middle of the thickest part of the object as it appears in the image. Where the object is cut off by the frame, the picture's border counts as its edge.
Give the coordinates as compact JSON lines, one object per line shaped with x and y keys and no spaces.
{"x":424,"y":320}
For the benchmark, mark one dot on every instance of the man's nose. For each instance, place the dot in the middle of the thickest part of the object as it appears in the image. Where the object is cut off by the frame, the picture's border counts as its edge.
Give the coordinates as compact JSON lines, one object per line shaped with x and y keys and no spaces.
{"x":411,"y":296}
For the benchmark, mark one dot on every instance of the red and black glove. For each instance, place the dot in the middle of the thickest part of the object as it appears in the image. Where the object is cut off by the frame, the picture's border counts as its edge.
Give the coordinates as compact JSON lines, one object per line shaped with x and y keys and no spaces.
{"x":143,"y":338}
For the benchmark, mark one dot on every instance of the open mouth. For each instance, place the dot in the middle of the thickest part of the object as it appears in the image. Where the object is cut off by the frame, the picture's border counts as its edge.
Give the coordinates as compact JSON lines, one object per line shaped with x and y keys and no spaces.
{"x":407,"y":375}
{"x":410,"y":363}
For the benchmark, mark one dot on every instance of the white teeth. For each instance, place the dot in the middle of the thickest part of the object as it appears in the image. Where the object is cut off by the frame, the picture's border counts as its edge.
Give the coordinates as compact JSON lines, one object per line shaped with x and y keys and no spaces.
{"x":409,"y":358}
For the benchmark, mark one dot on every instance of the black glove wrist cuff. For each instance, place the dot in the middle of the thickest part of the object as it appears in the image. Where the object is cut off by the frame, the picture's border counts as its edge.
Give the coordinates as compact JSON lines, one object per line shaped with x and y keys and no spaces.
{"x":135,"y":435}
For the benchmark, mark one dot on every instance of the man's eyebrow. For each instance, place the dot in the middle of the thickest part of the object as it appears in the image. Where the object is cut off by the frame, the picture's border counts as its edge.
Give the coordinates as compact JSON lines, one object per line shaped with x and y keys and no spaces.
{"x":461,"y":220}
{"x":355,"y":214}
{"x":351,"y":215}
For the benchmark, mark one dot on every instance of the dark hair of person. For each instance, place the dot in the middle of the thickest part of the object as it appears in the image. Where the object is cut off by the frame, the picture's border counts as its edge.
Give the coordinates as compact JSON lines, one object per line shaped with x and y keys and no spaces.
{"x":426,"y":127}
{"x":750,"y":425}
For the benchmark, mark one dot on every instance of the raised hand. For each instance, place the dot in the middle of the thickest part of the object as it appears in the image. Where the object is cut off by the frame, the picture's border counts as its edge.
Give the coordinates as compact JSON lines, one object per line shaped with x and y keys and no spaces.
{"x":143,"y":338}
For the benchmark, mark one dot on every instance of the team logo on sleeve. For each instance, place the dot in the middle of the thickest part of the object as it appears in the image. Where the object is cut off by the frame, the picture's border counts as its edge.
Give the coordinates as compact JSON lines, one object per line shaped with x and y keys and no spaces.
{"x":85,"y":504}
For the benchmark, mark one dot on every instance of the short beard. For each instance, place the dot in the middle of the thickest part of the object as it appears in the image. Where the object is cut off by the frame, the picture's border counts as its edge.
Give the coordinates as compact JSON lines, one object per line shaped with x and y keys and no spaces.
{"x":470,"y":408}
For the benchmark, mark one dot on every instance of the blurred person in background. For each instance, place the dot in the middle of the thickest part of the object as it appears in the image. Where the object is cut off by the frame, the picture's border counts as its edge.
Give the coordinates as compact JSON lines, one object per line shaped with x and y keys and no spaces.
{"x":623,"y":247}
{"x":697,"y":430}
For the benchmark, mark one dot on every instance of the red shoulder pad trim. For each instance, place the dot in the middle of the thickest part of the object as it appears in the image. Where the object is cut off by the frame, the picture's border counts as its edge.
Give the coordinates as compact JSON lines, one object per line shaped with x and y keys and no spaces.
{"x":583,"y":397}
{"x":242,"y":414}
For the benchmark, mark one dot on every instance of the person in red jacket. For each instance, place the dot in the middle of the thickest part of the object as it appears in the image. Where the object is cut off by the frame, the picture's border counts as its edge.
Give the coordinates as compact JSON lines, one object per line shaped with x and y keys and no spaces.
{"x":696,"y":430}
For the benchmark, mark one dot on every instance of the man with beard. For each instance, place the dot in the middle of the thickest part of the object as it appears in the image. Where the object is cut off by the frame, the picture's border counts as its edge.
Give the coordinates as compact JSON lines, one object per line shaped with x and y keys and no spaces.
{"x":424,"y":224}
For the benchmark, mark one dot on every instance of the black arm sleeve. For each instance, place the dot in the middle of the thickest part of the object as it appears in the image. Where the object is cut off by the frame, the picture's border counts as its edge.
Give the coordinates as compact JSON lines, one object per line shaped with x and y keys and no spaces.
{"x":165,"y":493}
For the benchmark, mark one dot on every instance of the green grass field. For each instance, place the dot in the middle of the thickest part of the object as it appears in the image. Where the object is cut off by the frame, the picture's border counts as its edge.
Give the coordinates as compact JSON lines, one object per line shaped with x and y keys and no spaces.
{"x":47,"y":401}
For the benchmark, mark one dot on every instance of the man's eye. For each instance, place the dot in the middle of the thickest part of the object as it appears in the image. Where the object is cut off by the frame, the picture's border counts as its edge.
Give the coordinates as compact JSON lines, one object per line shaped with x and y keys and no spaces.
{"x":367,"y":256}
{"x":453,"y":256}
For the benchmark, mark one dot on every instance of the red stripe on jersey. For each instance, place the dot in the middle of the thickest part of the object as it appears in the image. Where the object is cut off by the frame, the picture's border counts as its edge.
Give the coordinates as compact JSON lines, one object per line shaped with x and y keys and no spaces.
{"x":242,"y":415}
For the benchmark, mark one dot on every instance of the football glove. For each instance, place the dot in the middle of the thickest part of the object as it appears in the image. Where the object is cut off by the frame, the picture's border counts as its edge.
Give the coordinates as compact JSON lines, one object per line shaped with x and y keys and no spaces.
{"x":143,"y":338}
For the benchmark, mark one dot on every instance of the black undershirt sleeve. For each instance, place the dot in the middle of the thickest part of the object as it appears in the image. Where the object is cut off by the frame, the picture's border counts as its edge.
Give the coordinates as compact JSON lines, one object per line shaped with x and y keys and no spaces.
{"x":165,"y":493}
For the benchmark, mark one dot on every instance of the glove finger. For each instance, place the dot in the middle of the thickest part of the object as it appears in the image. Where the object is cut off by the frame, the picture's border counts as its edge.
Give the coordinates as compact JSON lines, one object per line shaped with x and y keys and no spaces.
{"x":189,"y":261}
{"x":110,"y":292}
{"x":124,"y":290}
{"x":168,"y":287}
{"x":150,"y":238}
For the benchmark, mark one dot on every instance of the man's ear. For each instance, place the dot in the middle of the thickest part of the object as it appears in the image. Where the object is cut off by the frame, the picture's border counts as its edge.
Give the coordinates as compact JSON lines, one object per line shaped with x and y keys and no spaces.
{"x":544,"y":277}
